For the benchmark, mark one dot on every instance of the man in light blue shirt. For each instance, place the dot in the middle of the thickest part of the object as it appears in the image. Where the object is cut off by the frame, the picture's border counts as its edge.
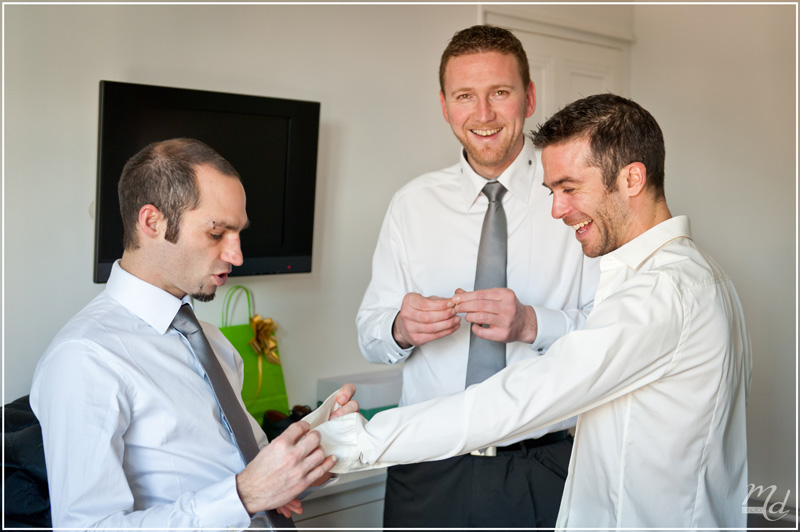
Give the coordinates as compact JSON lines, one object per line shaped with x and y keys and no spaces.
{"x":133,"y":434}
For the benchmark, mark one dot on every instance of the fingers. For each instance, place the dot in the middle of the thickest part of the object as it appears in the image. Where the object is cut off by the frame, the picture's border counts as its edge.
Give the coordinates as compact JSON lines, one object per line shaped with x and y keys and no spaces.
{"x":489,"y":294}
{"x":294,"y":432}
{"x":408,"y":333}
{"x":497,"y":314}
{"x":427,"y":304}
{"x":319,"y":467}
{"x":345,"y":404}
{"x":423,"y":319}
{"x":430,"y":330}
{"x":345,"y":393}
{"x":294,"y":506}
{"x":322,"y":480}
{"x":283,"y":469}
{"x":302,"y":441}
{"x":312,"y":460}
{"x":427,"y":316}
{"x":348,"y":408}
{"x":324,"y":468}
{"x":490,"y":333}
{"x":494,"y":307}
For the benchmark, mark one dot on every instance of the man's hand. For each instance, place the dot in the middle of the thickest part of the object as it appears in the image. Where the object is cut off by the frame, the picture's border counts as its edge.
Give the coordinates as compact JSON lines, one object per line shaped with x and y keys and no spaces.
{"x":346,"y":406}
{"x":508,"y":320}
{"x":282,"y":470}
{"x":287,"y":510}
{"x":344,"y":398}
{"x":423,"y":319}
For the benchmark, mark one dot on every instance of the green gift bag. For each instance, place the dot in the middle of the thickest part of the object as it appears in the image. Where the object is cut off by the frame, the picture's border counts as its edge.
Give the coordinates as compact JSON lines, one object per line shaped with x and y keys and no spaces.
{"x":263,"y":388}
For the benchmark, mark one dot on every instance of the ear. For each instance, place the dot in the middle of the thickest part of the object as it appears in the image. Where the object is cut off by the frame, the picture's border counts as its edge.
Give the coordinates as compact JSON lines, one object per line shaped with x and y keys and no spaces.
{"x":530,"y":103}
{"x":635,"y":175}
{"x":149,"y":222}
{"x":444,"y":107}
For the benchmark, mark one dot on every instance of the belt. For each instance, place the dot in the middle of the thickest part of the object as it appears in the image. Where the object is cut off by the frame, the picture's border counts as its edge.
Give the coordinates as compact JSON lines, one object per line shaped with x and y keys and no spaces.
{"x":547,"y":439}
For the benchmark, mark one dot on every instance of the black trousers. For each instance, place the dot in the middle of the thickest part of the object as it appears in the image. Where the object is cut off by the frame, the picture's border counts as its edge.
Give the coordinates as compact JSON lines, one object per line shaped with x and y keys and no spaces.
{"x":516,"y":489}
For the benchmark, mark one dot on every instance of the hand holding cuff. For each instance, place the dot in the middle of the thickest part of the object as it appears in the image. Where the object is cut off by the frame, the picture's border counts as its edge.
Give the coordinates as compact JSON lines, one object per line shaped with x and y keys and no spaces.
{"x":339,"y":437}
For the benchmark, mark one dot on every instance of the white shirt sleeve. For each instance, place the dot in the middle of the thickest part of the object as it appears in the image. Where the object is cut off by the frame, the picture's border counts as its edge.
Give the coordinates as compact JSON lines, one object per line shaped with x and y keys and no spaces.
{"x":552,"y":324}
{"x":84,"y":422}
{"x":628,"y":343}
{"x":384,"y":296}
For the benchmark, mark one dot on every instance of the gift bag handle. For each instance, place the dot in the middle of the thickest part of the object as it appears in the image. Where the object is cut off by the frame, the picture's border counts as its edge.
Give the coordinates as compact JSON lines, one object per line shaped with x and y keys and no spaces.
{"x":226,"y":304}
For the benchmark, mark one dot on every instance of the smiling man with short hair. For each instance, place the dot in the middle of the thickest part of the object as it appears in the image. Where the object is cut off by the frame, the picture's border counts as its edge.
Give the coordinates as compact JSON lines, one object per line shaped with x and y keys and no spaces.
{"x":659,"y":376}
{"x":428,"y":251}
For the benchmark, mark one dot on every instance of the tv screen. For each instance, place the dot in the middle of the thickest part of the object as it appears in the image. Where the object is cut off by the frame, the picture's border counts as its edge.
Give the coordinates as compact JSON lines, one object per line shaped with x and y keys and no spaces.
{"x":271,"y":142}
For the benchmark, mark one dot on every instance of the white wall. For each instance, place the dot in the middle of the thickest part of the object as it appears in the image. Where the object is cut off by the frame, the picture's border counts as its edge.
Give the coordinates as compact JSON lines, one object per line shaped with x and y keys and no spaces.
{"x":720,"y":80}
{"x":373,"y":68}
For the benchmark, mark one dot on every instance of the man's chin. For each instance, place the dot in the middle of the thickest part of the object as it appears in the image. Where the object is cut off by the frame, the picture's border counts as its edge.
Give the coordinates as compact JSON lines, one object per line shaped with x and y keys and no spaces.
{"x":205,"y":298}
{"x":489,"y":158}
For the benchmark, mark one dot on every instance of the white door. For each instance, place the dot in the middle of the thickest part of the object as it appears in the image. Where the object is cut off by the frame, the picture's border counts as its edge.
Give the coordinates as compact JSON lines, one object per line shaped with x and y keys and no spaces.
{"x":569,"y":66}
{"x":564,"y":71}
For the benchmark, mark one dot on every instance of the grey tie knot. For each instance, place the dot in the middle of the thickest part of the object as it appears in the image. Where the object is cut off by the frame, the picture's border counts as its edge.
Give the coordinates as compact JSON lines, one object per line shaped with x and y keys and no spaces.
{"x":185,"y":321}
{"x":494,"y":190}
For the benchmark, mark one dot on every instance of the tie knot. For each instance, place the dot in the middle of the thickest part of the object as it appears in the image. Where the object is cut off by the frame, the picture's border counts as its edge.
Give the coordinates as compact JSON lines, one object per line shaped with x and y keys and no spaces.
{"x":494,"y":191}
{"x":185,"y":321}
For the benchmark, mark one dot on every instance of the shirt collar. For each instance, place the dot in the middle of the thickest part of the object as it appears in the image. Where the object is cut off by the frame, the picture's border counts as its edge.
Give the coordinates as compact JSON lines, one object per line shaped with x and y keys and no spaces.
{"x":516,"y":178}
{"x":153,"y":305}
{"x":637,"y":251}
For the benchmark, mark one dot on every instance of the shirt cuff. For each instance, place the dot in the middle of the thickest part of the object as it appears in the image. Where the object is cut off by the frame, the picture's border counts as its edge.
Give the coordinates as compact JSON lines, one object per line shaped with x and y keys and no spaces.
{"x":219,"y":505}
{"x":550,"y":325}
{"x":340,"y":438}
{"x":323,"y":412}
{"x":395,"y":352}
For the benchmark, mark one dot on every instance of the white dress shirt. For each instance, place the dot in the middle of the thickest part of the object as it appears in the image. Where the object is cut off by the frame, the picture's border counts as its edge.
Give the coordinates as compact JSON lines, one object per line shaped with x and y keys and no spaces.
{"x":659,"y":377}
{"x":131,"y":428}
{"x":429,"y":244}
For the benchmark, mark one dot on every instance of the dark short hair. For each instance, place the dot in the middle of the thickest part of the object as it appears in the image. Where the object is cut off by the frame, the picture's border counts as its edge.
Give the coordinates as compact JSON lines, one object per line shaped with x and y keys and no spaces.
{"x":163,"y":174}
{"x":478,"y":39}
{"x":620,"y":132}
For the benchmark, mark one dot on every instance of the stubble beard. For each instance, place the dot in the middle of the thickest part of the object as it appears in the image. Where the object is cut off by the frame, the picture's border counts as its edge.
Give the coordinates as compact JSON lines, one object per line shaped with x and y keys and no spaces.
{"x":494,"y":156}
{"x":204,"y":298}
{"x":613,"y":218}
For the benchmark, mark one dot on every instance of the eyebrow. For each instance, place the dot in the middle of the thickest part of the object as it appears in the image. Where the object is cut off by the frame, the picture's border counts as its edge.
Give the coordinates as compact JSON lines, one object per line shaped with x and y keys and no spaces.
{"x":504,"y":86}
{"x":560,"y":182}
{"x":225,"y":225}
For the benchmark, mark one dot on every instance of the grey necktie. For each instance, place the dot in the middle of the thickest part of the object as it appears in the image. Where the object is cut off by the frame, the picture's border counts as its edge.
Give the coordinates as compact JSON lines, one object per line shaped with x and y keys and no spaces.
{"x":485,"y":356}
{"x":186,"y":323}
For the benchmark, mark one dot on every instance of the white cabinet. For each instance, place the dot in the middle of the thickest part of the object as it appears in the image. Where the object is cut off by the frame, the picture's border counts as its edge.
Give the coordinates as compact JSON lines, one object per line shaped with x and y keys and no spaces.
{"x":355,"y":500}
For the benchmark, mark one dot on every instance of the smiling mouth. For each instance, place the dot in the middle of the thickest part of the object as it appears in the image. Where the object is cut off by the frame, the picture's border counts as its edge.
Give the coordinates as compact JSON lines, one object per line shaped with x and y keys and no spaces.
{"x":486,"y":132}
{"x":580,"y":227}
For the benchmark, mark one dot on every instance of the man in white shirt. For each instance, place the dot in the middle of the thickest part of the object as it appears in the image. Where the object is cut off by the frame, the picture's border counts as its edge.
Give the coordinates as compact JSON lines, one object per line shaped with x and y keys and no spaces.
{"x":427,"y":251}
{"x":659,"y":375}
{"x":133,"y":434}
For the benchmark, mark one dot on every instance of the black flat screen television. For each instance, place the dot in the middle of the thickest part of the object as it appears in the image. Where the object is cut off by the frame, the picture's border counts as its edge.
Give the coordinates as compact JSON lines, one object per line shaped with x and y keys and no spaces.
{"x":271,"y":142}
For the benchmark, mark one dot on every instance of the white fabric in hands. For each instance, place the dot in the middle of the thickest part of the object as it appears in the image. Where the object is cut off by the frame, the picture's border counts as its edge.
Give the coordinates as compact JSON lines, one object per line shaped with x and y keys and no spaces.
{"x":337,"y":438}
